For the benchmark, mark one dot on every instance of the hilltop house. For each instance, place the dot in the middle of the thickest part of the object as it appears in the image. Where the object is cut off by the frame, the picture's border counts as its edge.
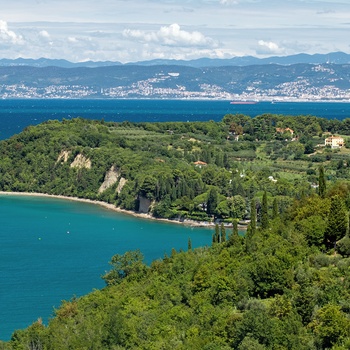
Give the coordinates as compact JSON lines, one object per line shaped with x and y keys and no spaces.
{"x":334,"y":141}
{"x":282,"y":130}
{"x":199,"y":163}
{"x":285,"y":130}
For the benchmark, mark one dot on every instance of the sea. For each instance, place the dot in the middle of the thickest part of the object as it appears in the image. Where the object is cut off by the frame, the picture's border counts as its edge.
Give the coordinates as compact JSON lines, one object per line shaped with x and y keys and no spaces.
{"x":15,"y":115}
{"x":54,"y":249}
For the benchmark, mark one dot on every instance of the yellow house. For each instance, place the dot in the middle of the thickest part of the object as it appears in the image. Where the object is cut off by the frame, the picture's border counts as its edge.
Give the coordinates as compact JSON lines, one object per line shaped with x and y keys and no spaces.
{"x":334,"y":141}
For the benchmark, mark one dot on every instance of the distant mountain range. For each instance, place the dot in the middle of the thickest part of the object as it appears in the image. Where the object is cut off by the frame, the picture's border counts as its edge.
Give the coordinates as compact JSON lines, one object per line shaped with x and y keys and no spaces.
{"x":322,"y":77}
{"x":333,"y":57}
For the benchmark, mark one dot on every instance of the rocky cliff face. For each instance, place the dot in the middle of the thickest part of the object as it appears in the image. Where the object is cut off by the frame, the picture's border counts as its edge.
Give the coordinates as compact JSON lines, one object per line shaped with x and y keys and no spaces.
{"x":81,"y":161}
{"x":63,"y":156}
{"x":110,"y":179}
{"x":121,"y":184}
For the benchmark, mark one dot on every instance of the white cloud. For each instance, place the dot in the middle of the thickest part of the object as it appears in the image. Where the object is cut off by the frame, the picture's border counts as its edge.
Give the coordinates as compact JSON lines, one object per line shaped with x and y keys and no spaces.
{"x":128,"y":31}
{"x":8,"y":36}
{"x":172,"y":35}
{"x":229,"y":2}
{"x":268,"y":47}
{"x":44,"y":34}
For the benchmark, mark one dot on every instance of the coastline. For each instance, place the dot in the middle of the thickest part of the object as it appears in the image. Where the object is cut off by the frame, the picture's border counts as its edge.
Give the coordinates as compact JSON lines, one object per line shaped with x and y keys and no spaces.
{"x":112,"y":207}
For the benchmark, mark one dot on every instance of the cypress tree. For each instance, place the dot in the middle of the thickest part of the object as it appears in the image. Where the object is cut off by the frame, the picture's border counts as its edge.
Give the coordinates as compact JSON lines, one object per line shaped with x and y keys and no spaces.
{"x":189,"y":244}
{"x":222,"y":233}
{"x":321,"y":182}
{"x":173,"y":252}
{"x":275,"y":211}
{"x":235,"y":227}
{"x":226,"y":161}
{"x":249,"y":240}
{"x":337,"y":223}
{"x":234,"y":236}
{"x":253,"y":216}
{"x":212,"y":201}
{"x":216,"y":235}
{"x":264,"y":212}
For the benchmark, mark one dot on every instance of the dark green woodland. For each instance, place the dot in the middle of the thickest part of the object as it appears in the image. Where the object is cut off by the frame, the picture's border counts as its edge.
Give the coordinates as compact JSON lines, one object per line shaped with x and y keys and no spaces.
{"x":283,"y":285}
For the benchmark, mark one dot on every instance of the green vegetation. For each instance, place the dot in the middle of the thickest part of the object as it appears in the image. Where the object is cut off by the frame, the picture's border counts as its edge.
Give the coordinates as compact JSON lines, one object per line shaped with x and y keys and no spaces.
{"x":284,"y":285}
{"x":195,"y":170}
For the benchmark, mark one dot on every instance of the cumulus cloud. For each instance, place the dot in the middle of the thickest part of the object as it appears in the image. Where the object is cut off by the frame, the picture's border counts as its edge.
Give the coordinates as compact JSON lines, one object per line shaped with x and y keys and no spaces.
{"x":44,"y":34}
{"x":228,"y":2}
{"x":8,"y":36}
{"x":172,"y":35}
{"x":269,"y":47}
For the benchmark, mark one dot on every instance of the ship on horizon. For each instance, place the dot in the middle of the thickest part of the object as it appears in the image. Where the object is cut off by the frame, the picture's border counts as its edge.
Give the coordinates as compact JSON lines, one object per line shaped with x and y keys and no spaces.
{"x":244,"y":102}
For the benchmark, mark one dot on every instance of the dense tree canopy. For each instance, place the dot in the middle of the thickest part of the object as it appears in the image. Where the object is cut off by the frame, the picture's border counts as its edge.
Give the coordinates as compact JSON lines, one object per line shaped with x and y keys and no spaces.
{"x":284,"y":284}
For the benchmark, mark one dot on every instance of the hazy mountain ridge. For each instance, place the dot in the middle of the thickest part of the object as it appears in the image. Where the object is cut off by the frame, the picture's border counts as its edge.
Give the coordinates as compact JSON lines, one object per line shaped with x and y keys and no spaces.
{"x":261,"y":82}
{"x":333,"y":57}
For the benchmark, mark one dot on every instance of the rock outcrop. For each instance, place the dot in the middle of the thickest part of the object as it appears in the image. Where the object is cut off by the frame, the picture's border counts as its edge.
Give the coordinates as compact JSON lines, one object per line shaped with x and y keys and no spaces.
{"x":80,"y":162}
{"x":121,"y":184}
{"x":63,"y":156}
{"x":110,"y":179}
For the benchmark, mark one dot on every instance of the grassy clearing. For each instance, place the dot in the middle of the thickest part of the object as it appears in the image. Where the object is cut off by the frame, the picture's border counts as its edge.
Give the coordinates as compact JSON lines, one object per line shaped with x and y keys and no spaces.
{"x":138,"y":134}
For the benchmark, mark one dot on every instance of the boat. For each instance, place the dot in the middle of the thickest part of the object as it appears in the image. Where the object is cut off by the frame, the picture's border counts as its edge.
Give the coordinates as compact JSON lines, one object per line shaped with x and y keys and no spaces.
{"x":243,"y":102}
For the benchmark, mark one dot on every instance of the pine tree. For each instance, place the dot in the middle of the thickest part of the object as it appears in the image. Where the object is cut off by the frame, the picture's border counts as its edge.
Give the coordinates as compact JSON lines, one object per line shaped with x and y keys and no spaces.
{"x":321,"y":182}
{"x":264,"y":212}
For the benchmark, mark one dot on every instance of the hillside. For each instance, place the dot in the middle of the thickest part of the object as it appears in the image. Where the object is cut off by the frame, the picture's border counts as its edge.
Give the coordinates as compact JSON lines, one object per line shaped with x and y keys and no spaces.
{"x":268,"y":292}
{"x":268,"y":82}
{"x":171,"y":169}
{"x":284,"y":285}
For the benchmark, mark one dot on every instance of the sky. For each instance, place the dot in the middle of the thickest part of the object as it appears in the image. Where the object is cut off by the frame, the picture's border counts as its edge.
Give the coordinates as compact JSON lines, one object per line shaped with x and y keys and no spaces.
{"x":139,"y":30}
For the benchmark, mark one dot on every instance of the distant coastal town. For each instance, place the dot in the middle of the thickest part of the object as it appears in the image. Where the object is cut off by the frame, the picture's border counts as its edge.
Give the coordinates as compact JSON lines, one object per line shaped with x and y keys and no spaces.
{"x":273,"y":83}
{"x":291,"y":92}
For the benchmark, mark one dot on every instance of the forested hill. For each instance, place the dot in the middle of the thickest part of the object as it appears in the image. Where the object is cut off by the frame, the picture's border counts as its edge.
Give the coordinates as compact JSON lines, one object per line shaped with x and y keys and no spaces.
{"x":196,"y":170}
{"x":284,"y":285}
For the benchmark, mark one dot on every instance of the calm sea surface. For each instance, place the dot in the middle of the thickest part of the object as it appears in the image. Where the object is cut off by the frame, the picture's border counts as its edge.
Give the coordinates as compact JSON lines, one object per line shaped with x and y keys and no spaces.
{"x":54,"y":249}
{"x":15,"y":115}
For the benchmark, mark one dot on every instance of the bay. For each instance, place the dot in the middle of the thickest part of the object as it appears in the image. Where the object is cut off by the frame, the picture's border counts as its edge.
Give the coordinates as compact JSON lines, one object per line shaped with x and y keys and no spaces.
{"x":54,"y":249}
{"x":15,"y":114}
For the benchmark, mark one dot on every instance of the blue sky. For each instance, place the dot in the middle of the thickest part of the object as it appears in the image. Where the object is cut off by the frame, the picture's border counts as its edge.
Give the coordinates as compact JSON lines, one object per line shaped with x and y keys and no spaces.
{"x":130,"y":31}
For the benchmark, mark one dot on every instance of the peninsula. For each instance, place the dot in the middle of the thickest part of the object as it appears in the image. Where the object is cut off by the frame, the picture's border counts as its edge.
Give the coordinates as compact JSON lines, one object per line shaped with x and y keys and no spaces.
{"x":284,"y":285}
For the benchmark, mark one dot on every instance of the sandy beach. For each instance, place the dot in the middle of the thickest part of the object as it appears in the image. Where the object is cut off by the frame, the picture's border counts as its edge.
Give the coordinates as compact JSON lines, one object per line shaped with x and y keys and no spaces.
{"x":109,"y":206}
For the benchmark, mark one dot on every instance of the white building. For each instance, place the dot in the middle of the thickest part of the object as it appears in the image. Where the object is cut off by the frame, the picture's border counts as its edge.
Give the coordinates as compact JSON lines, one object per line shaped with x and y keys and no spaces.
{"x":334,"y":141}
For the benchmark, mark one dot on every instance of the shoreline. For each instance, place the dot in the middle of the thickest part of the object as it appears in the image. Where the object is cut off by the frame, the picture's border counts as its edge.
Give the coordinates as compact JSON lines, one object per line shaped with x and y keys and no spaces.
{"x":112,"y":207}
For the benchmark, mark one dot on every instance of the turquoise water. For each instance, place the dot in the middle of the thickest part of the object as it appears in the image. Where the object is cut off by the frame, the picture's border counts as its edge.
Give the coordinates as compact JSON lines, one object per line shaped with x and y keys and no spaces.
{"x":53,"y":249}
